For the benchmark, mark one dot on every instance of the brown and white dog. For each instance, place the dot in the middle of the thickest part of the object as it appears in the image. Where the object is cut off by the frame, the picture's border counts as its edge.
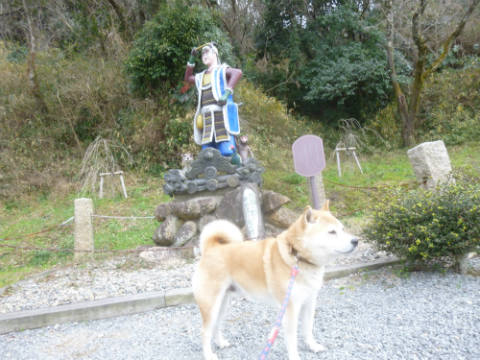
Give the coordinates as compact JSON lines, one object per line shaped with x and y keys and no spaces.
{"x":261,"y":270}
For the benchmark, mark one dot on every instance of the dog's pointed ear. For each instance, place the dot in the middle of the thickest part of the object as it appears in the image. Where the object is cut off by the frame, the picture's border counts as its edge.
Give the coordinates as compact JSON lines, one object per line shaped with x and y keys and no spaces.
{"x":308,"y":215}
{"x":326,"y":205}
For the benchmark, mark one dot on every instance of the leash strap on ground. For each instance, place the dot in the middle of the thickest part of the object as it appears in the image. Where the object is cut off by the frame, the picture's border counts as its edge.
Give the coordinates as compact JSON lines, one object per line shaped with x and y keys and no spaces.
{"x":278,"y":323}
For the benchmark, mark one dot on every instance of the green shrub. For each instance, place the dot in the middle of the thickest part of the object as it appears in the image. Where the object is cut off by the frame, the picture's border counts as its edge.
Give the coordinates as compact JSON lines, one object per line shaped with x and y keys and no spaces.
{"x":422,"y":225}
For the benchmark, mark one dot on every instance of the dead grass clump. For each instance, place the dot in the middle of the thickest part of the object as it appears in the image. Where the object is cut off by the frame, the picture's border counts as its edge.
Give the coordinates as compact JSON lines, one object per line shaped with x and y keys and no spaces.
{"x":101,"y":156}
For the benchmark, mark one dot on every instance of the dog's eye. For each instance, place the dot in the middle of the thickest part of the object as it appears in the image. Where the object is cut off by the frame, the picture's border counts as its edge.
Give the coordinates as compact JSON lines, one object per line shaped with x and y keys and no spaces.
{"x":332,"y":232}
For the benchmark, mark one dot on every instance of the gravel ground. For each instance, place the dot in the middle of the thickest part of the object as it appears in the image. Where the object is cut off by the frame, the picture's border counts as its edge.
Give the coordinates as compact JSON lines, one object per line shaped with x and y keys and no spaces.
{"x":376,"y":315}
{"x":94,"y":281}
{"x":118,"y":277}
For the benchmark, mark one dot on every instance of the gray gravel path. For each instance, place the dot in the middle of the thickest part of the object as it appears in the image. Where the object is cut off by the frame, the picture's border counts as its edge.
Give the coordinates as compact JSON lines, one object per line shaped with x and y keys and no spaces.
{"x":124,"y":275}
{"x":368,"y":316}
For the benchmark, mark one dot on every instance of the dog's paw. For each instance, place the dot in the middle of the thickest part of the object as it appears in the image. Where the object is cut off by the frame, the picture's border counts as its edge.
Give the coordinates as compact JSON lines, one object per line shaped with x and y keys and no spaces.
{"x":316,"y":347}
{"x":221,"y":342}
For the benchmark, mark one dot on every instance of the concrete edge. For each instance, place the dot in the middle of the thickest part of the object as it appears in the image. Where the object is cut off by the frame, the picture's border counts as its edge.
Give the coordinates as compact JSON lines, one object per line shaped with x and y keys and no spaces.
{"x":91,"y":310}
{"x":133,"y":304}
{"x":342,"y":271}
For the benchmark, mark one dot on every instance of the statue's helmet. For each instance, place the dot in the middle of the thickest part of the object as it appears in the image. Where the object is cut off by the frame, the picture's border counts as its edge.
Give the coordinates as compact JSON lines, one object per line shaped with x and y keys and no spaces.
{"x":211,"y":46}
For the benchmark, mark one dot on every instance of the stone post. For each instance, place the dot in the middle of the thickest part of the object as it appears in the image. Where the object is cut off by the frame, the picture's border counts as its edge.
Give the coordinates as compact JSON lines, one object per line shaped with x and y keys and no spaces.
{"x":83,"y":230}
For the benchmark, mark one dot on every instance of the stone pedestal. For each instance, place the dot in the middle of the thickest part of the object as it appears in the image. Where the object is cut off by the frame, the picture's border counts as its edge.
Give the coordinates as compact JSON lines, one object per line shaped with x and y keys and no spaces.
{"x":213,"y":188}
{"x":431,"y":164}
{"x":247,"y":206}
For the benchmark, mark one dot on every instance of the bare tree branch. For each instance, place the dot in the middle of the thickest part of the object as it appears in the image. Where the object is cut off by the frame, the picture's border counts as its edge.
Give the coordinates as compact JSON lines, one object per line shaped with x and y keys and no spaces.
{"x":449,"y":40}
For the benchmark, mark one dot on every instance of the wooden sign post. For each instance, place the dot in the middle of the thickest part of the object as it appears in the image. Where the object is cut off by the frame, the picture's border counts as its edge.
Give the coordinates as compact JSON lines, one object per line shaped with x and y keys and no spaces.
{"x":309,"y":161}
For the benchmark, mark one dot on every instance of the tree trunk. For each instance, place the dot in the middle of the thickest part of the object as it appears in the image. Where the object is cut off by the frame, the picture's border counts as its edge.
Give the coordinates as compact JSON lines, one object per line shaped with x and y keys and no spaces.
{"x":31,"y":66}
{"x":408,"y":111}
{"x":400,"y":98}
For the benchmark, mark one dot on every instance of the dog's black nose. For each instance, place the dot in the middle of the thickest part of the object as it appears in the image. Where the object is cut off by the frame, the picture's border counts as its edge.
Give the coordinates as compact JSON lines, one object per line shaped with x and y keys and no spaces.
{"x":354,"y":242}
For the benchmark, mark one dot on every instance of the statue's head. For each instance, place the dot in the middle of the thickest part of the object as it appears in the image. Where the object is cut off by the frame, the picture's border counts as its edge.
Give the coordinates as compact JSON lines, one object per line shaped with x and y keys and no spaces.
{"x":244,"y":139}
{"x":210,"y":55}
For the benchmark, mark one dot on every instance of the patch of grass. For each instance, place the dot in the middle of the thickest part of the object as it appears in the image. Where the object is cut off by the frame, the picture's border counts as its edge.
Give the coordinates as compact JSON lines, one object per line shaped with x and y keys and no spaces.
{"x":290,"y":184}
{"x":23,"y":226}
{"x":351,"y":195}
{"x":293,"y":179}
{"x":123,"y":234}
{"x":465,"y":157}
{"x":40,"y":257}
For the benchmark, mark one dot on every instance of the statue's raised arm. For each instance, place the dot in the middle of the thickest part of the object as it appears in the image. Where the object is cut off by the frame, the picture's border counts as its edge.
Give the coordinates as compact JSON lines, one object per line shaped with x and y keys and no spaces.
{"x":216,"y":120}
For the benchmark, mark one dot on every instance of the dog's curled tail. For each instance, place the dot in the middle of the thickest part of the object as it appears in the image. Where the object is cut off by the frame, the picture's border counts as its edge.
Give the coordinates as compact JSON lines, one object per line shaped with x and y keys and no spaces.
{"x":219,"y":232}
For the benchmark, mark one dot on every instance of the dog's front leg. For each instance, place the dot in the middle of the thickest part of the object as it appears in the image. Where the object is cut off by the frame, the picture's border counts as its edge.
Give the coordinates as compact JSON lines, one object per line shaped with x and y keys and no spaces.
{"x":291,"y":325}
{"x":308,"y":317}
{"x":208,"y":354}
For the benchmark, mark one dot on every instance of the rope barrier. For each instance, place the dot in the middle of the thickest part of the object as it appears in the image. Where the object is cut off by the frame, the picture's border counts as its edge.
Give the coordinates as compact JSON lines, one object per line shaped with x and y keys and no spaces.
{"x":95,"y":252}
{"x":70,"y":250}
{"x":123,"y":217}
{"x":69,"y":220}
{"x":367,"y":188}
{"x":48,"y":229}
{"x":33,"y":248}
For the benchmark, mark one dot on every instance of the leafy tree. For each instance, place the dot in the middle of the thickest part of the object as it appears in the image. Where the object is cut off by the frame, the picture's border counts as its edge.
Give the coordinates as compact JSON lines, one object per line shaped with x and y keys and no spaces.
{"x":160,"y":52}
{"x":349,"y":66}
{"x":327,"y":55}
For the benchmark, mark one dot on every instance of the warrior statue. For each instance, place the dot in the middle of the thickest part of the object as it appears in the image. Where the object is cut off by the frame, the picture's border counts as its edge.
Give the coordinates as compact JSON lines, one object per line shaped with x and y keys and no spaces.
{"x":216,"y":120}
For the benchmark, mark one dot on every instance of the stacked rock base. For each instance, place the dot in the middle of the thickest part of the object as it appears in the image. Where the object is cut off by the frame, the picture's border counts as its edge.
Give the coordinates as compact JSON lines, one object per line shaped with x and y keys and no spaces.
{"x":183,"y":219}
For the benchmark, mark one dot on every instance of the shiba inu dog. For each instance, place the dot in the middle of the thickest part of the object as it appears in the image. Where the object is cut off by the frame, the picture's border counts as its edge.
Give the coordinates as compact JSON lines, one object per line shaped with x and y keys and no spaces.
{"x":261,"y":271}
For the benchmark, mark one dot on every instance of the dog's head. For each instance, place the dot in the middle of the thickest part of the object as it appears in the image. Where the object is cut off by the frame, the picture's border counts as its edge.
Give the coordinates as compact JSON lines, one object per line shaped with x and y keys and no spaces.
{"x":320,"y":236}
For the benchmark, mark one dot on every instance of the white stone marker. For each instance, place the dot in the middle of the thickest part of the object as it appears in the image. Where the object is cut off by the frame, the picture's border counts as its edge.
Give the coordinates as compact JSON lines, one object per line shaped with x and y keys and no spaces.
{"x":83,"y":231}
{"x":431,"y":164}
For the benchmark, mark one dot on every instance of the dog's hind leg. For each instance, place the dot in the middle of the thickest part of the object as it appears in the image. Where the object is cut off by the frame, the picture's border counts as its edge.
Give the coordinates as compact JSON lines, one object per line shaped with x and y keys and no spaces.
{"x":220,"y":341}
{"x":210,"y":304}
{"x":308,"y":316}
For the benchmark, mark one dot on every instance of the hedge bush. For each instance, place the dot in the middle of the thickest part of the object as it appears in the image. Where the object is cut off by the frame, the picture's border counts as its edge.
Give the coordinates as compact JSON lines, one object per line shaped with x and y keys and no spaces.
{"x":428,"y":225}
